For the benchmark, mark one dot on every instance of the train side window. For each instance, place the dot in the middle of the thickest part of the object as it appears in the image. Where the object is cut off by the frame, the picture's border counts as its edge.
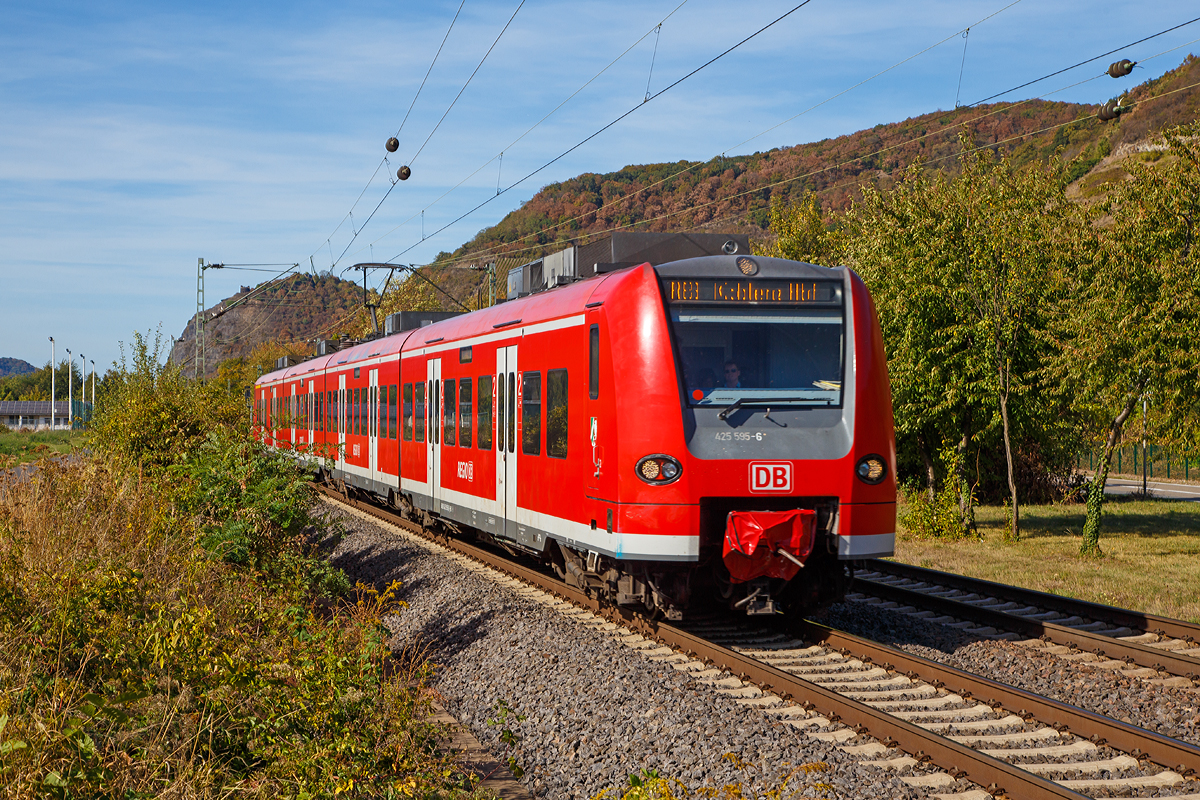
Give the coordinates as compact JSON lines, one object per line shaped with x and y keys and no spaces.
{"x":364,"y":412}
{"x":356,"y":412}
{"x":381,"y":414}
{"x":531,"y":413}
{"x":512,"y":412}
{"x":419,"y":416}
{"x":393,"y":399}
{"x":556,"y":413}
{"x":464,"y":412}
{"x":500,"y":426}
{"x":317,"y":421}
{"x":594,"y":362}
{"x":485,"y":412}
{"x":449,"y":413}
{"x":406,"y":399}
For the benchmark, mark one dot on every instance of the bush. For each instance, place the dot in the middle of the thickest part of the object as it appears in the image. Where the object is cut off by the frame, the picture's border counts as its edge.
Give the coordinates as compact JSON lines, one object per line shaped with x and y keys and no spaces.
{"x":167,"y":626}
{"x":939,"y":518}
{"x":150,"y":415}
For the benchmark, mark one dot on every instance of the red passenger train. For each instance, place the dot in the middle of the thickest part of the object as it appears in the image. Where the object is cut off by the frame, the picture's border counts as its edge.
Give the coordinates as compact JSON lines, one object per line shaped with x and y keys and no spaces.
{"x":715,"y":427}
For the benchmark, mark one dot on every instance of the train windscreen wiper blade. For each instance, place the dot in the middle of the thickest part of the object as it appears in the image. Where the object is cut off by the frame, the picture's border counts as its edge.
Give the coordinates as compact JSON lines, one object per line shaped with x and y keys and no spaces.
{"x":741,"y":401}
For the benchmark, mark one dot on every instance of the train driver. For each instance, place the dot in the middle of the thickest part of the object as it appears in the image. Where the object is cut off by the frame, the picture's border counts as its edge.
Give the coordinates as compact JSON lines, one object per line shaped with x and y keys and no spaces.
{"x":732,"y":375}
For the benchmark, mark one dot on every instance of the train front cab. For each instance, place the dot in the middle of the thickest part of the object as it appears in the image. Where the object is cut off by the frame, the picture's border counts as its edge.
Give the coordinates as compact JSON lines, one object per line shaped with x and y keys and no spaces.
{"x":806,"y":427}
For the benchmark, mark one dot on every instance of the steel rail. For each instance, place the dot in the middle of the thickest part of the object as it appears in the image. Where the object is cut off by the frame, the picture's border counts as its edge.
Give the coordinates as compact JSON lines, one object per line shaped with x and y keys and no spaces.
{"x":1143,"y":655}
{"x":1137,"y":620}
{"x":998,"y":777}
{"x":1163,"y":750}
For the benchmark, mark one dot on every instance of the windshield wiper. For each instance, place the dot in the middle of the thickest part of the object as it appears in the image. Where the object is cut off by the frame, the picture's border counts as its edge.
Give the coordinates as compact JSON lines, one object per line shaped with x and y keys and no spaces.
{"x":729,"y":409}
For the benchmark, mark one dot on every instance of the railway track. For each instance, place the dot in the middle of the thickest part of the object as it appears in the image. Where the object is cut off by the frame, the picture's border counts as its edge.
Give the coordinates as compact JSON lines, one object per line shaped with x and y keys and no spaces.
{"x":939,"y":724}
{"x":1109,"y":637}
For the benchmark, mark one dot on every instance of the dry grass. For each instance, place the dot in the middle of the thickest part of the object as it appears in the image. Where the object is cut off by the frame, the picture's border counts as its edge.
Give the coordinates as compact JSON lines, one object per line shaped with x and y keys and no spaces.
{"x":1151,"y":561}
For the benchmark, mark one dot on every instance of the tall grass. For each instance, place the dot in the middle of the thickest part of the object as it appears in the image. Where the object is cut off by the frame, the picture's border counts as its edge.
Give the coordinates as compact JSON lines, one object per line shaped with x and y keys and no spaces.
{"x":168,"y":626}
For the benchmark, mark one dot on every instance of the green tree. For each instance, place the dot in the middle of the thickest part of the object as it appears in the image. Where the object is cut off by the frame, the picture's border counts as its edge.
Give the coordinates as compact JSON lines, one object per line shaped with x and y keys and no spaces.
{"x":1130,"y":326}
{"x":800,"y":233}
{"x":961,"y":269}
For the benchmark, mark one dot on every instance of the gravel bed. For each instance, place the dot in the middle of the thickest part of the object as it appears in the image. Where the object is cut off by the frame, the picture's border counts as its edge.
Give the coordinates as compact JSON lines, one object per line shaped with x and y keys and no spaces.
{"x":594,"y":711}
{"x":1171,"y":711}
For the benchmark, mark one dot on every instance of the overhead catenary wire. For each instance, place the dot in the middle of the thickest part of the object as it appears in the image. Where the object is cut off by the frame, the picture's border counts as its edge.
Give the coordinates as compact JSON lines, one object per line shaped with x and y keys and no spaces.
{"x":963,"y":66}
{"x":593,"y":135}
{"x":959,"y":154}
{"x":627,"y":198}
{"x":429,"y":71}
{"x":384,"y":160}
{"x":1088,"y":61}
{"x":386,"y":194}
{"x":740,"y":144}
{"x":881,"y":73}
{"x":531,"y":128}
{"x":468,"y":83}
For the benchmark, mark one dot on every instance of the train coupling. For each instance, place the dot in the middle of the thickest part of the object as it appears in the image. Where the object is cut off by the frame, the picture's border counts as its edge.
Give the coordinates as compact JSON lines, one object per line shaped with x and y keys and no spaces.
{"x":758,"y":599}
{"x":767,"y":544}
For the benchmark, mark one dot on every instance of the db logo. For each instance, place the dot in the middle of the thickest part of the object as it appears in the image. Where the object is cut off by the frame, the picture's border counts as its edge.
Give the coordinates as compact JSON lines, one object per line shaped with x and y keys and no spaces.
{"x":770,"y":476}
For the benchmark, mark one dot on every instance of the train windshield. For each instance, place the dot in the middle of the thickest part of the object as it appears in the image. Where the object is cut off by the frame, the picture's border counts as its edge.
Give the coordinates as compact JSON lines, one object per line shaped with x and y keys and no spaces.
{"x":761,"y":356}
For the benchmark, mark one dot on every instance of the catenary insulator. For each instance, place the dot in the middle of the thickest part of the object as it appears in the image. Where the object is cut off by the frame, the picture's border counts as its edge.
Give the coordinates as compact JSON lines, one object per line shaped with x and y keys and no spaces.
{"x":1110,"y":110}
{"x":393,"y":144}
{"x":403,"y":173}
{"x":1119,"y":69}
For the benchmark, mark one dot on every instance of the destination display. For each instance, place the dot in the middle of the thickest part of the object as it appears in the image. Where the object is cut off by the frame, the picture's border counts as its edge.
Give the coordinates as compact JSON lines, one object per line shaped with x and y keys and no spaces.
{"x":764,"y":292}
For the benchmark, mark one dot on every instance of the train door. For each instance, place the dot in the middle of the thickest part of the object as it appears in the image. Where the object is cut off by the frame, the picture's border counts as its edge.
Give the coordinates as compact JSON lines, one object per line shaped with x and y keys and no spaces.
{"x":601,"y":477}
{"x":373,"y":424}
{"x":433,"y":430}
{"x":506,"y":437}
{"x":341,"y":420}
{"x":311,"y":415}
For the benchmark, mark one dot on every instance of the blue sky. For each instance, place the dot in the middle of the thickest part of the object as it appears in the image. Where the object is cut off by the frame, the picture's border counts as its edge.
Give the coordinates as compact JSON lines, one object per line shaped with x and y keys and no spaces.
{"x":138,"y":137}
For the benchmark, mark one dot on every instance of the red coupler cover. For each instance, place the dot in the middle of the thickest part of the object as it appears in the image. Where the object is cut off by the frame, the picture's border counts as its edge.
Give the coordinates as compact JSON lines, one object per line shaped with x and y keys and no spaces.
{"x":752,"y":539}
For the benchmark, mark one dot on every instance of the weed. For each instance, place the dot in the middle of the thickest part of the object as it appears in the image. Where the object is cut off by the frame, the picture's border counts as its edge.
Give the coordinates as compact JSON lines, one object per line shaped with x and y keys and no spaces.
{"x":795,"y":784}
{"x":502,"y":713}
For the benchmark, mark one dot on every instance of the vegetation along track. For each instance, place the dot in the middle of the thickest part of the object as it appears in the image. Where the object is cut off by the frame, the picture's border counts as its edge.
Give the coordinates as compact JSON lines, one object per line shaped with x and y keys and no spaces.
{"x":1109,"y":637}
{"x":1014,"y":742}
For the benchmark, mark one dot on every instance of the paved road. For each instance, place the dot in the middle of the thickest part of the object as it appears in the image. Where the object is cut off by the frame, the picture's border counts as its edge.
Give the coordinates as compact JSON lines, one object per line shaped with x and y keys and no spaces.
{"x":1158,"y":489}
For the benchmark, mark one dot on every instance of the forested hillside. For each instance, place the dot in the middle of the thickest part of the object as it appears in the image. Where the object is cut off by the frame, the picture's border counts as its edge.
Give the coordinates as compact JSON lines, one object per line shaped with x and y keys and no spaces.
{"x":734,"y":193}
{"x":14,"y":366}
{"x":297,"y":308}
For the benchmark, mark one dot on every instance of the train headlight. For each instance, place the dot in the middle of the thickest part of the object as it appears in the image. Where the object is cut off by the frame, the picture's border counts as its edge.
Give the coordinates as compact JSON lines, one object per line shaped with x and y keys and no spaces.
{"x":871,"y":469}
{"x":658,"y":469}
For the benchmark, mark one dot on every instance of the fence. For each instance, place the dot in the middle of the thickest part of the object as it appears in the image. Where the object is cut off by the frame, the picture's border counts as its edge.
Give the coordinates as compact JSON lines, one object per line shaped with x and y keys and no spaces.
{"x":1160,"y":462}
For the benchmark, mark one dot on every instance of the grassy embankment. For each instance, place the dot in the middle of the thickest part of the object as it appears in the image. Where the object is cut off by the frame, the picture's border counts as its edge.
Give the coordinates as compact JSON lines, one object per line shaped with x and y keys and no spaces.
{"x":169,"y":625}
{"x":19,"y":447}
{"x":1151,"y":561}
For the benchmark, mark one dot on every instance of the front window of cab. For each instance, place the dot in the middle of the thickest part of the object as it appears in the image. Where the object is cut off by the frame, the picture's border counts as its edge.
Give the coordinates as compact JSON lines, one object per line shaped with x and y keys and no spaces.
{"x":779,"y":354}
